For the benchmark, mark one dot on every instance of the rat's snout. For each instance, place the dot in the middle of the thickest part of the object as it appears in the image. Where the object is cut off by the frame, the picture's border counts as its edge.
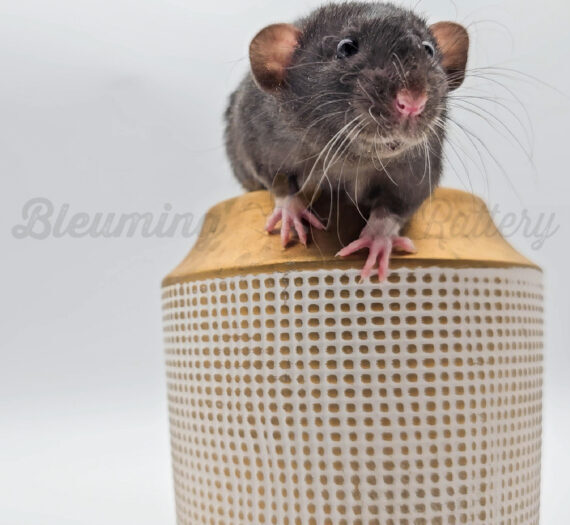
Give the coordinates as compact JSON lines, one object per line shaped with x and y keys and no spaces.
{"x":411,"y":104}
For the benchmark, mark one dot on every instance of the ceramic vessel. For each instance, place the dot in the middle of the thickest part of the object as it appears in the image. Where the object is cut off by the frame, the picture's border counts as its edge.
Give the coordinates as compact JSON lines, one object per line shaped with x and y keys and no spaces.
{"x":298,"y":395}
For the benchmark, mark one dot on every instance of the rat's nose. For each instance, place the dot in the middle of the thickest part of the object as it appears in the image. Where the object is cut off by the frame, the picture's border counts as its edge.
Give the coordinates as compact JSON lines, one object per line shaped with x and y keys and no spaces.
{"x":410,"y":104}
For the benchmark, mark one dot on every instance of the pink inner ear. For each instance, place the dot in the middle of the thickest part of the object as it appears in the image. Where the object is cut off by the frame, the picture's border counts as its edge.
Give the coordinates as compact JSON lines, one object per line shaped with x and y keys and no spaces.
{"x":271,"y":52}
{"x":453,"y":42}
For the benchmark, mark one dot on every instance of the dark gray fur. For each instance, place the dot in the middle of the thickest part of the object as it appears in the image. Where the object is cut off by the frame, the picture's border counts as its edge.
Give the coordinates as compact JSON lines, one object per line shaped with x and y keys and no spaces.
{"x":283,"y":134}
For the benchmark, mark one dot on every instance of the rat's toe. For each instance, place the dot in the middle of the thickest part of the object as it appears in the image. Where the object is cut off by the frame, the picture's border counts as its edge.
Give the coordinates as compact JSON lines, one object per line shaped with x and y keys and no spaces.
{"x":403,"y":244}
{"x":353,"y":247}
{"x":375,"y":249}
{"x":300,"y":229}
{"x":273,"y":220}
{"x":313,"y":220}
{"x":384,"y":262}
{"x":285,"y":230}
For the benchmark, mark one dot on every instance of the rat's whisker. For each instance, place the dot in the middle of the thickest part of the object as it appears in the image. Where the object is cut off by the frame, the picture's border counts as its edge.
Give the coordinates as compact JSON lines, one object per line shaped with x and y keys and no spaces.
{"x":481,"y":159}
{"x":401,"y":74}
{"x":384,"y":169}
{"x":526,"y":127}
{"x":481,"y":112}
{"x":307,"y":131}
{"x":502,"y":85}
{"x":360,"y":125}
{"x":372,"y":100}
{"x":325,"y":151}
{"x":340,"y":176}
{"x":351,"y":136}
{"x":305,"y":64}
{"x":439,"y":124}
{"x":512,"y":73}
{"x":474,"y":137}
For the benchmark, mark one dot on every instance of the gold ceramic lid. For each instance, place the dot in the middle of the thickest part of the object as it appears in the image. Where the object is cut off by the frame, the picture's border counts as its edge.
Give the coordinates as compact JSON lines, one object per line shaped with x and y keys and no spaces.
{"x":452,"y":228}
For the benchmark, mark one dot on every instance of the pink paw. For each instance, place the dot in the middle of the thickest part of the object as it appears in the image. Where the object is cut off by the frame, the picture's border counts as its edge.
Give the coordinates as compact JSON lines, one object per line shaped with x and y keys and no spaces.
{"x":291,"y":211}
{"x":380,"y":248}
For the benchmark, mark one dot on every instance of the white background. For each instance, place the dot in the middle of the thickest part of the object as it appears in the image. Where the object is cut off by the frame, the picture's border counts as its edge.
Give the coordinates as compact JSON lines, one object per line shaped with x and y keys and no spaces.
{"x":115,"y":106}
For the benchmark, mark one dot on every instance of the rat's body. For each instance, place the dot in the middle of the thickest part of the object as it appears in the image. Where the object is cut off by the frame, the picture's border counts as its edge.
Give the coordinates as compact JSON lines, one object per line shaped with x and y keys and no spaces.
{"x":350,"y":99}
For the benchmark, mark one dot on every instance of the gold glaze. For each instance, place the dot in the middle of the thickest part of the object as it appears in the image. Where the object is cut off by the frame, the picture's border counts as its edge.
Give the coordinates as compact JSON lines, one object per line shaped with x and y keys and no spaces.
{"x":452,"y":229}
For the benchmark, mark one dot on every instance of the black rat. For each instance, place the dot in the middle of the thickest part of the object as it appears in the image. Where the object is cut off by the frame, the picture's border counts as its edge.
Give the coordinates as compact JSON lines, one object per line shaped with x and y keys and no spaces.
{"x":351,"y":98}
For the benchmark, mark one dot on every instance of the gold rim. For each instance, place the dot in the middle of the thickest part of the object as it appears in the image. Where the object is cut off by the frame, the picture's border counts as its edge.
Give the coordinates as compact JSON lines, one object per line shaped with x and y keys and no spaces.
{"x":452,"y":229}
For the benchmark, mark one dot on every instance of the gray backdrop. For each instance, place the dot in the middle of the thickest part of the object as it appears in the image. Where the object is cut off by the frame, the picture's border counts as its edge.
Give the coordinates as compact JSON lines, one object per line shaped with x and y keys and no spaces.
{"x":114,"y":106}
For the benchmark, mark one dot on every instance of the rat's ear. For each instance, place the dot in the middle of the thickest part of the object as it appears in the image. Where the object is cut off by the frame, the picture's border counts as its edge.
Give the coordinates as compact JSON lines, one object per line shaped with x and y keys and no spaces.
{"x":453,"y":42}
{"x":270,"y":53}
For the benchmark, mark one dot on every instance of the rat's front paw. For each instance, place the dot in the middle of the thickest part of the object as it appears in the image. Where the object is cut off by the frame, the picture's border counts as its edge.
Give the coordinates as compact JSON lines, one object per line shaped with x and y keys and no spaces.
{"x":380,"y":248}
{"x":291,"y":211}
{"x":380,"y":236}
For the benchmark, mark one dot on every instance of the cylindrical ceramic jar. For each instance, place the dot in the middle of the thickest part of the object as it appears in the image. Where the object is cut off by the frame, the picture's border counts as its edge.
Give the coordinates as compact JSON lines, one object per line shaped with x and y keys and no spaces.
{"x":298,"y":395}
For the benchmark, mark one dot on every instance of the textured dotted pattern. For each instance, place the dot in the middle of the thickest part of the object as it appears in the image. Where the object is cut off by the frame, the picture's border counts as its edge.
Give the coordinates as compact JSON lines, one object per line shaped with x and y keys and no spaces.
{"x":308,"y":398}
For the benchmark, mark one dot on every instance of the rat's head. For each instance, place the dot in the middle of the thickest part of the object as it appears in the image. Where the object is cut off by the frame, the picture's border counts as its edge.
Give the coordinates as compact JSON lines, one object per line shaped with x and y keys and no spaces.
{"x":376,"y":66}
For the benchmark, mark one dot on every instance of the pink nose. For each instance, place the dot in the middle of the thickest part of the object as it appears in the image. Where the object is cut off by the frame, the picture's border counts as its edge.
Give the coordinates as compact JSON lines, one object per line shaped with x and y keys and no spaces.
{"x":410,"y":104}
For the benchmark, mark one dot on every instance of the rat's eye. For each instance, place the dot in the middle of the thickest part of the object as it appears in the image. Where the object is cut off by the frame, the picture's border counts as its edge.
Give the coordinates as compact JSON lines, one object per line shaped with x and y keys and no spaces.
{"x":346,"y":48}
{"x":430,"y":50}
